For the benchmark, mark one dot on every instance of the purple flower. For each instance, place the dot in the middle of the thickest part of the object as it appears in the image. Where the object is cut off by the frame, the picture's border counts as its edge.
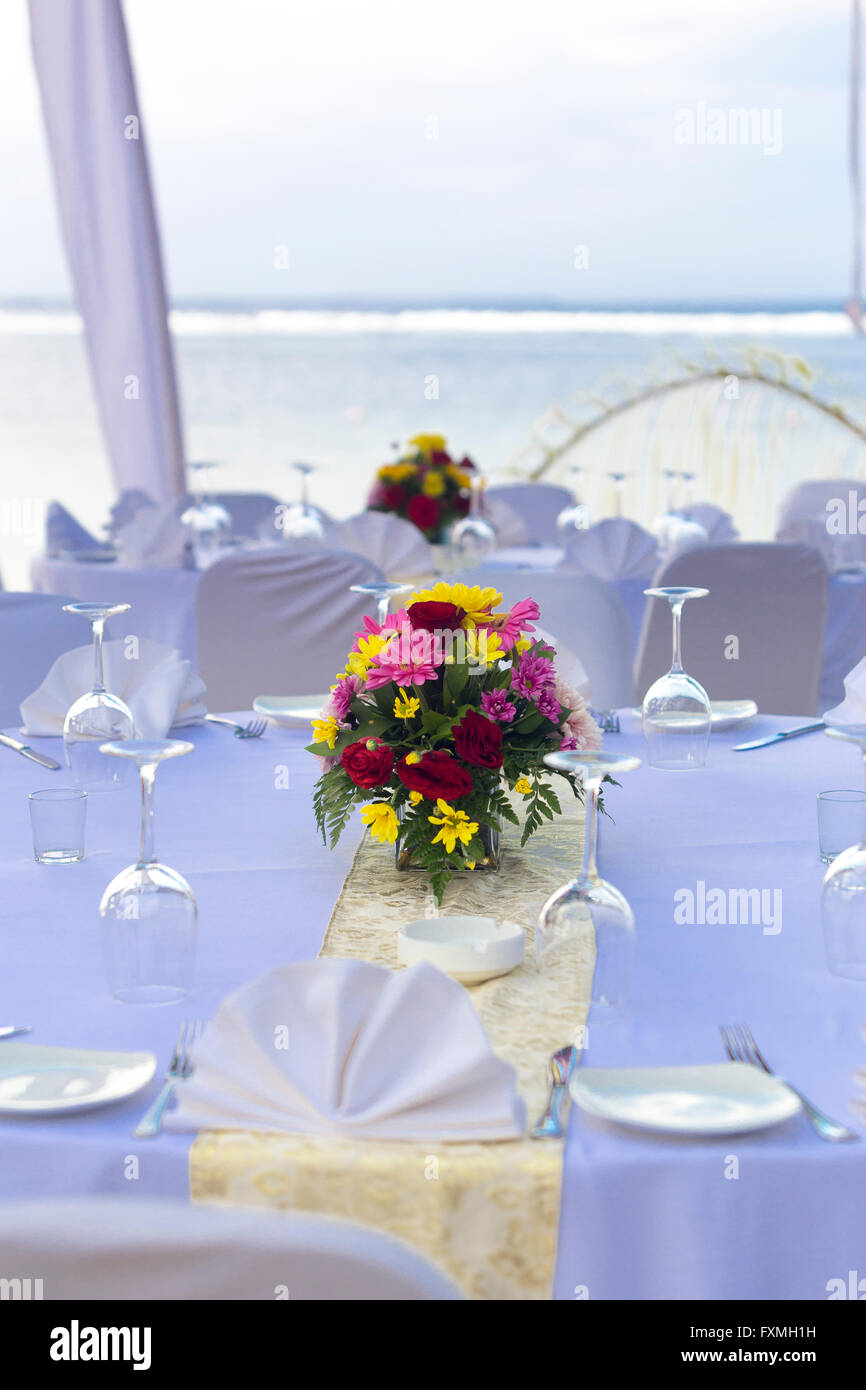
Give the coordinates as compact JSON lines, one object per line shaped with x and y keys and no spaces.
{"x":547,"y":704}
{"x":496,"y":705}
{"x":533,"y":674}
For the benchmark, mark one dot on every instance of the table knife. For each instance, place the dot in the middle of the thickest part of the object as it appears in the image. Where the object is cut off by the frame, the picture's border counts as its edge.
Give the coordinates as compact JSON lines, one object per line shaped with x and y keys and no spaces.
{"x":779,"y":736}
{"x":27,"y":752}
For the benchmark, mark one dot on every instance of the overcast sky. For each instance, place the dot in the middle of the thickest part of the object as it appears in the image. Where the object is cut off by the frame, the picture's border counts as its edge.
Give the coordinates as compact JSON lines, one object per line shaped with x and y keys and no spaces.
{"x":307,"y":124}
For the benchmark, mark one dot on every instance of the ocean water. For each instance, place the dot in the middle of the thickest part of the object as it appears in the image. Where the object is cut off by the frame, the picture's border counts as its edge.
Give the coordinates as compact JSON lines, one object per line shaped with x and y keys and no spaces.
{"x":337,"y":386}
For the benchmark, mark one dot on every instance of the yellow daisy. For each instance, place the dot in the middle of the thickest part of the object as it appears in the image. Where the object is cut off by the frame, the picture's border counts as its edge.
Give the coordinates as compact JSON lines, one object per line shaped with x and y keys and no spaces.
{"x":524,"y":786}
{"x":455,"y":825}
{"x":326,"y":731}
{"x":428,"y":444}
{"x":382,"y":820}
{"x":406,"y":706}
{"x":433,"y":484}
{"x":476,"y":602}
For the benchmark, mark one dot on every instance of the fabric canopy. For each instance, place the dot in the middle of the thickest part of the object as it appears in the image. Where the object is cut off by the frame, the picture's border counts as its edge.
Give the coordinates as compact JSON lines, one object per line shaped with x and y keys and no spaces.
{"x":109,"y":227}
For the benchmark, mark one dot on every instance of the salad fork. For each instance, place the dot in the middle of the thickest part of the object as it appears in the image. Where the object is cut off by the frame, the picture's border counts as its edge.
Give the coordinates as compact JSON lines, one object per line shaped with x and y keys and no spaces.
{"x":741,"y":1047}
{"x":180,"y":1067}
{"x":254,"y":729}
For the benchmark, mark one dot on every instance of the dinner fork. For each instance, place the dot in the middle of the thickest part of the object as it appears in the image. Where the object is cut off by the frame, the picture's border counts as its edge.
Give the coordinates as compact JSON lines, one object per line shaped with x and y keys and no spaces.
{"x":551,"y":1124}
{"x":741,"y":1047}
{"x":254,"y":729}
{"x":180,"y":1068}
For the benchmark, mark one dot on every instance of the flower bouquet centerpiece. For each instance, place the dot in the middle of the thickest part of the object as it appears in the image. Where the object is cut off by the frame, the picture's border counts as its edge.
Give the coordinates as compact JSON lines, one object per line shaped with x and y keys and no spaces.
{"x":425,"y":485}
{"x":441,"y":712}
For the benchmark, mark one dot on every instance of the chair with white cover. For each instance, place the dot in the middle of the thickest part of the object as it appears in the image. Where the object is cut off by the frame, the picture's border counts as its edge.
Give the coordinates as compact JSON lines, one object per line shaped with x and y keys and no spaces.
{"x":538,"y":504}
{"x":506,"y":521}
{"x":757,"y":635}
{"x":718,"y":524}
{"x":582,"y":612}
{"x":809,"y":501}
{"x":104,"y":1248}
{"x":278,"y":621}
{"x":34,"y":631}
{"x":395,"y":545}
{"x":613,"y":549}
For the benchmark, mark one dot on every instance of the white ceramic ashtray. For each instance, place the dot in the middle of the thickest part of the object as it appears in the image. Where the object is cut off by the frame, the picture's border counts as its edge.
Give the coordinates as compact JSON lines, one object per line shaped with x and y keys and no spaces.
{"x":469,"y":949}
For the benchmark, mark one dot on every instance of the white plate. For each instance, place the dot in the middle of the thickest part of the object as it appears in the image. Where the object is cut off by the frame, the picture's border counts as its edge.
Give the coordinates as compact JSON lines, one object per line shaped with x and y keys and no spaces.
{"x":469,"y":949}
{"x":36,"y":1080}
{"x":722,"y":1098}
{"x":727,"y":714}
{"x":293,"y":711}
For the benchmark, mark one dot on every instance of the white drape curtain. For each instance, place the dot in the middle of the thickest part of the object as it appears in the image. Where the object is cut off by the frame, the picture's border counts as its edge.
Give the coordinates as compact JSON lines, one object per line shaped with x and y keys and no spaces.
{"x":97,"y":149}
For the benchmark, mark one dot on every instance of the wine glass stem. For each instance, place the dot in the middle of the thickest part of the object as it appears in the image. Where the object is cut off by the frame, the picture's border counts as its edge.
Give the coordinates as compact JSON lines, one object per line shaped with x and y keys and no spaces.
{"x":98,"y":668}
{"x":677,"y":610}
{"x":475,"y":498}
{"x":384,"y":609}
{"x":590,"y":845}
{"x":147,"y":852}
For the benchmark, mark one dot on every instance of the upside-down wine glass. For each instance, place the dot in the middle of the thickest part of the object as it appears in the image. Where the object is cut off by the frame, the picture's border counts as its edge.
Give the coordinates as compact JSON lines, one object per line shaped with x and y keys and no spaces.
{"x":382,"y":593}
{"x":562,"y":923}
{"x":576,"y":516}
{"x":98,"y":715}
{"x":473,"y":539}
{"x":619,"y":480}
{"x":676,"y":714}
{"x":208,"y":520}
{"x":301,"y":521}
{"x":843,"y":895}
{"x":149,"y":915}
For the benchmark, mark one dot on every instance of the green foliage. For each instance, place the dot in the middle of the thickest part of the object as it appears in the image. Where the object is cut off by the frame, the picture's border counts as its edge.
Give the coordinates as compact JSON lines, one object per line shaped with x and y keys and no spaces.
{"x":333,"y":800}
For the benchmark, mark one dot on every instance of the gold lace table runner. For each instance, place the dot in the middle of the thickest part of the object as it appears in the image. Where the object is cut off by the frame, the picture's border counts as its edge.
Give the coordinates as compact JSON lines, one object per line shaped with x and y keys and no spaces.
{"x":485,"y":1213}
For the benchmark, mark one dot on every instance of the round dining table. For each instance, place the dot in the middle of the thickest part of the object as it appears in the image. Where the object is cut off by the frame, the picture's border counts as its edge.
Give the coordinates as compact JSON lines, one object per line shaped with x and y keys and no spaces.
{"x":771,"y":1214}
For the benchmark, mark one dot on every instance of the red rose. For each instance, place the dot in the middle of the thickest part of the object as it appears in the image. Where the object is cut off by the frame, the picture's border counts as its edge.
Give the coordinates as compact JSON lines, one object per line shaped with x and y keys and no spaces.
{"x":437,"y":774}
{"x":439,"y":458}
{"x":369,"y":762}
{"x":461,"y":504}
{"x":466,"y":464}
{"x":423,"y":511}
{"x":478,"y":740}
{"x":435,"y":617}
{"x":394,"y":496}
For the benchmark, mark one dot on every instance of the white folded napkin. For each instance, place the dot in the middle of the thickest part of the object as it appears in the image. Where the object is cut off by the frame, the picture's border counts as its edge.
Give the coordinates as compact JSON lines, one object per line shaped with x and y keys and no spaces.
{"x":155,"y":537}
{"x":613,"y":549}
{"x":342,"y":1047}
{"x":394,"y":545}
{"x":853,"y":707}
{"x":160,"y":688}
{"x":127,"y":507}
{"x":63,"y":532}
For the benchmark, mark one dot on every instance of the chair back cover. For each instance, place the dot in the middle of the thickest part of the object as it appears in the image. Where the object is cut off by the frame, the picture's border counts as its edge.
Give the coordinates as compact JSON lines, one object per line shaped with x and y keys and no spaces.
{"x":506,"y":521}
{"x":395,"y":545}
{"x":718,"y":524}
{"x":106,"y":1248}
{"x":278,"y":621}
{"x":537,"y":504}
{"x":808,"y":501}
{"x":759,"y":633}
{"x":584,"y":613}
{"x":34,"y":631}
{"x":613,"y":549}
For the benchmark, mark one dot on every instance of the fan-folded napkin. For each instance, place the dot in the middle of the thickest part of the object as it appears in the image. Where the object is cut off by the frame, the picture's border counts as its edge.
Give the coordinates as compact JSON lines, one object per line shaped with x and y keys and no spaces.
{"x":154,"y":537}
{"x":852,"y":710}
{"x":343,"y":1047}
{"x":160,"y":688}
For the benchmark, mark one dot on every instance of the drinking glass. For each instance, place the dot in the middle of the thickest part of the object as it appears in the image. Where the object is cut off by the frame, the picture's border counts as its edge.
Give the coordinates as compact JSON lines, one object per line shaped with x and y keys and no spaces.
{"x":97,"y":716}
{"x":841,"y":822}
{"x":301,"y":521}
{"x":562,"y":922}
{"x":576,"y":516}
{"x":57,"y":821}
{"x":208,"y":520}
{"x":619,"y":479}
{"x":676,"y":713}
{"x":843,"y":896}
{"x":473,"y":539}
{"x":382,"y":593}
{"x":149,"y":915}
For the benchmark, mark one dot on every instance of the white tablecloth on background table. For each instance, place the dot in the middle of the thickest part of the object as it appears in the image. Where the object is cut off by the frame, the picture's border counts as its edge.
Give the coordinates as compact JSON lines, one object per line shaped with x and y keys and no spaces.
{"x":641,"y":1217}
{"x":163,"y":600}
